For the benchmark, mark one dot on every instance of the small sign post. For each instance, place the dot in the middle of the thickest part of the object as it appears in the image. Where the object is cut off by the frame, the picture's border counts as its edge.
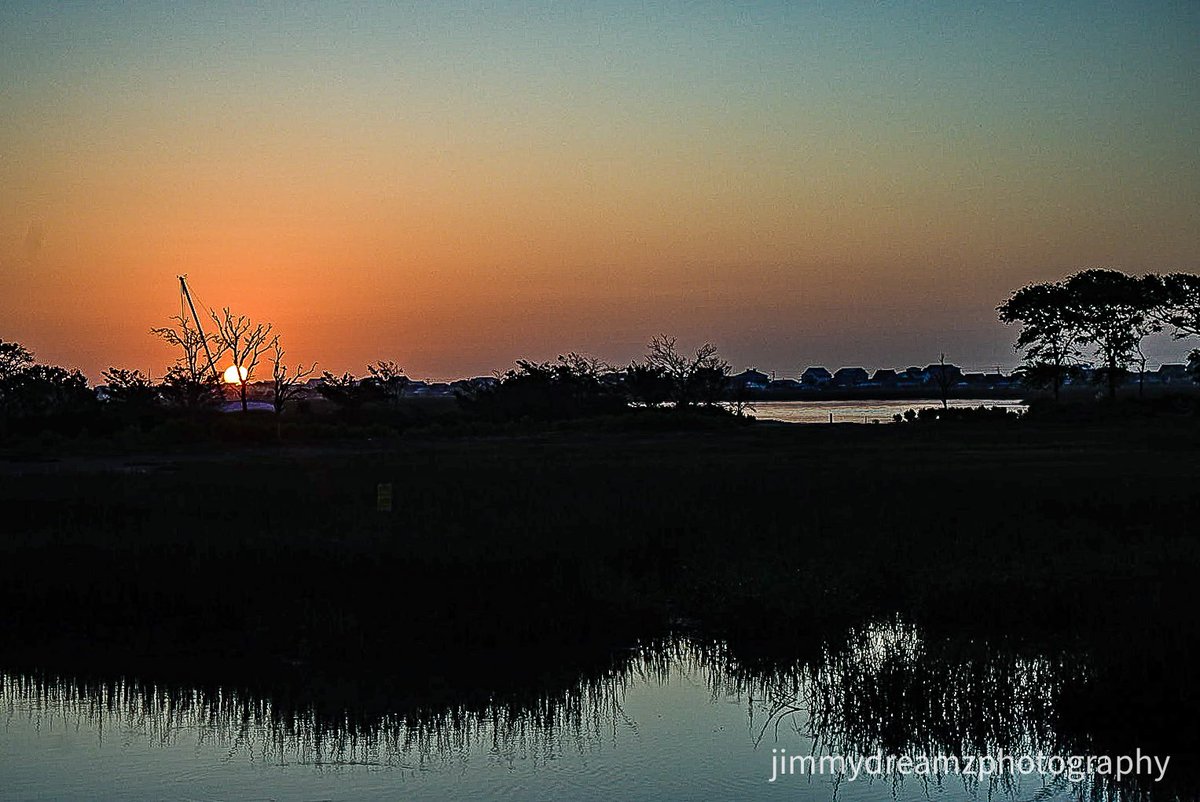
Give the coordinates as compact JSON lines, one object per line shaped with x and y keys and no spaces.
{"x":383,"y":497}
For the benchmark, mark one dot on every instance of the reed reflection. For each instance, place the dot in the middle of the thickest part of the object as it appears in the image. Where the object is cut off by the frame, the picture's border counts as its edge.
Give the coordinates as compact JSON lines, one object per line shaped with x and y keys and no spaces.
{"x":884,"y":687}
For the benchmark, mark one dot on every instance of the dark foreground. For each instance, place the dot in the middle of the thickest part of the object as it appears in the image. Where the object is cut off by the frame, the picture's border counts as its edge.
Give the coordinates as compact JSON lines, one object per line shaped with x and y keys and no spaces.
{"x":545,"y":557}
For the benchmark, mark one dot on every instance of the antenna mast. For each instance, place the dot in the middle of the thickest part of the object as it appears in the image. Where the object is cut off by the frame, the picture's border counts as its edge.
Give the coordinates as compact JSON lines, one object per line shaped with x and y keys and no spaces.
{"x":203,"y":339}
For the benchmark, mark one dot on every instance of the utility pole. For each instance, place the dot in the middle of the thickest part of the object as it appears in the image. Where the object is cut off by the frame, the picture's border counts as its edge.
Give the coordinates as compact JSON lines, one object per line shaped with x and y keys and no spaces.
{"x":203,"y":339}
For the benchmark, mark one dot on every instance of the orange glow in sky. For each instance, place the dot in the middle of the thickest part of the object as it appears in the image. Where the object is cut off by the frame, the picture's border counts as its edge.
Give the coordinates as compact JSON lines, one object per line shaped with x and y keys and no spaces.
{"x":829,"y":184}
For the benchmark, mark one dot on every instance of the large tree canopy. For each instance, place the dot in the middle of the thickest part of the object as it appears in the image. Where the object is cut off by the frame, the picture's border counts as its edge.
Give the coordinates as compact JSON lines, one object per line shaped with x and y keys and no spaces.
{"x":1104,"y":314}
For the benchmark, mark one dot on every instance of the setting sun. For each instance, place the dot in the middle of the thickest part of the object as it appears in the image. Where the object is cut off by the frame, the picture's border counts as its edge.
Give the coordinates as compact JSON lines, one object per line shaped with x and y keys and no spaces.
{"x":232,"y":377}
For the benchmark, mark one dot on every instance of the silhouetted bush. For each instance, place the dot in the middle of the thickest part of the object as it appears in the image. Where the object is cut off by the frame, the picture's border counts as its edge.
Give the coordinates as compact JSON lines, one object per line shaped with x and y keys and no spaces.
{"x":980,"y":414}
{"x":571,"y":387}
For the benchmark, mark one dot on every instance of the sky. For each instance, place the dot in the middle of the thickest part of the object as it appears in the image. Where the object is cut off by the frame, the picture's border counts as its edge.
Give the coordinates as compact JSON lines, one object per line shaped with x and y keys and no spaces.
{"x":456,"y":186}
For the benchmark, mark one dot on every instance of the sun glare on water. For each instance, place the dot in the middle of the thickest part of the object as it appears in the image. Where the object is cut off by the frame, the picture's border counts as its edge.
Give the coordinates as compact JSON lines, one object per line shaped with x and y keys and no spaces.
{"x":231,"y":374}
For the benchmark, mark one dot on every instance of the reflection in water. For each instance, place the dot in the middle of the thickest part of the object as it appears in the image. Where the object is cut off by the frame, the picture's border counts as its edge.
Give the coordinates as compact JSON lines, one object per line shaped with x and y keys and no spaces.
{"x":253,"y":726}
{"x":891,"y":690}
{"x":885,"y":688}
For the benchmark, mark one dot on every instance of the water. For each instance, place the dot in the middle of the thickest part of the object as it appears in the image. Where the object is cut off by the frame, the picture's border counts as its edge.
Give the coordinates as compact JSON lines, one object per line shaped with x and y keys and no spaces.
{"x":677,"y":719}
{"x":862,"y":411}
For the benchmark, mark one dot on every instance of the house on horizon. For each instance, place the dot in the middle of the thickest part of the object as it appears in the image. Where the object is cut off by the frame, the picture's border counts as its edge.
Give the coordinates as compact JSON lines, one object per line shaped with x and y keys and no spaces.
{"x":752,"y":379}
{"x":815,"y":377}
{"x":850,"y":377}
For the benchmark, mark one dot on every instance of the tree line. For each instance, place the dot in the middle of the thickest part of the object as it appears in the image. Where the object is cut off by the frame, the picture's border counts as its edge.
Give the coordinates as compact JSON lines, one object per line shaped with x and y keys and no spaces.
{"x":30,"y":390}
{"x":1098,"y":317}
{"x":1095,"y":317}
{"x":577,"y":385}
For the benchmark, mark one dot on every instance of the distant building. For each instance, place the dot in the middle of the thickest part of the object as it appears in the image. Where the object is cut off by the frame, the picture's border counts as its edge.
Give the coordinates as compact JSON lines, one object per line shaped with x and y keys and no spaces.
{"x":784,"y":384}
{"x":815,"y":376}
{"x":749,"y":380}
{"x":849,"y":377}
{"x":884,"y":376}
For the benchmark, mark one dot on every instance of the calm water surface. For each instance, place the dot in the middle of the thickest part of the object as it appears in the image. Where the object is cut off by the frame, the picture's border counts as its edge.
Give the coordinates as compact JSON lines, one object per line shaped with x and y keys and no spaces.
{"x":677,"y":720}
{"x":861,"y":411}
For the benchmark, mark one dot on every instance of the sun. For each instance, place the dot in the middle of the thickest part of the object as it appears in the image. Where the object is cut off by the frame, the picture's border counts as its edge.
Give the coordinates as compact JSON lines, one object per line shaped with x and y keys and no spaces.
{"x":232,"y":377}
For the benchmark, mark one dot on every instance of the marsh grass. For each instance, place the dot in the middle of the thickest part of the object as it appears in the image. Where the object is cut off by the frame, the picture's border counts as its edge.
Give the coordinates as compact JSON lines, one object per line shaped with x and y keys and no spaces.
{"x":541,"y":553}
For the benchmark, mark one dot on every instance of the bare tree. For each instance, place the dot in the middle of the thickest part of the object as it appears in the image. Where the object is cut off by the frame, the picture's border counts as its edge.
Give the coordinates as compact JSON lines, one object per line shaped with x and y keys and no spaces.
{"x":388,"y":378}
{"x":345,"y":391}
{"x":585,"y":365}
{"x":192,"y":382}
{"x":699,"y":378}
{"x":944,"y":379}
{"x":286,"y":384}
{"x":246,"y":342}
{"x":195,"y":346}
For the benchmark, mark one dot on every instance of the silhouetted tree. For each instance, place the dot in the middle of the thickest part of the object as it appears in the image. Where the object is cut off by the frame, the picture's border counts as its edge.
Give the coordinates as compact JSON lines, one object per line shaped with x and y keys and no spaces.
{"x":1112,"y":311}
{"x":286,"y":384}
{"x":41,"y":390}
{"x":346,"y":392}
{"x":647,"y":384}
{"x":14,"y":358}
{"x":388,"y":377}
{"x":585,"y":366}
{"x":180,"y":388}
{"x":1174,"y":300}
{"x":130,"y":388}
{"x":742,"y":400}
{"x":574,"y":385}
{"x":246,"y":342}
{"x":195,"y":348}
{"x":697,"y":379}
{"x":1050,"y":333}
{"x":944,"y":376}
{"x":192,"y":382}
